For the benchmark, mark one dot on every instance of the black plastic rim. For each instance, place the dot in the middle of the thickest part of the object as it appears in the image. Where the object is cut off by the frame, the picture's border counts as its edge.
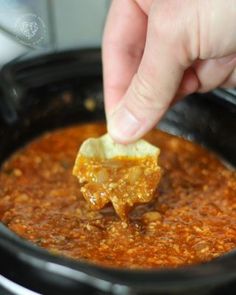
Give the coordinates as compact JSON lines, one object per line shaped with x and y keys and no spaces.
{"x":220,"y":270}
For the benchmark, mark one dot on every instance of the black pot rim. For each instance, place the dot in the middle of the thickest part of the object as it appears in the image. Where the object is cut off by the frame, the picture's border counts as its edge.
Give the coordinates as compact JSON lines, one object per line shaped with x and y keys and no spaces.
{"x":218,"y":271}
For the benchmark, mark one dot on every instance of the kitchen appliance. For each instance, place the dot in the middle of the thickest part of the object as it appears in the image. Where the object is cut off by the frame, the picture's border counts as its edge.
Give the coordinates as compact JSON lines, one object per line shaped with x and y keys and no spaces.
{"x":43,"y":91}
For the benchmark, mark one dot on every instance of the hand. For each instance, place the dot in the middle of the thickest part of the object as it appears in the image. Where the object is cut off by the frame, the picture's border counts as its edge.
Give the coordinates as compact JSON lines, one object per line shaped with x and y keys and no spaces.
{"x":157,"y":51}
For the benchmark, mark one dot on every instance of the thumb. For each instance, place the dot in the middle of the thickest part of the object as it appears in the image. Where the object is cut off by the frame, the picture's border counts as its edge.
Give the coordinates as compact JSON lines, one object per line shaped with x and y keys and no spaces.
{"x":154,"y":85}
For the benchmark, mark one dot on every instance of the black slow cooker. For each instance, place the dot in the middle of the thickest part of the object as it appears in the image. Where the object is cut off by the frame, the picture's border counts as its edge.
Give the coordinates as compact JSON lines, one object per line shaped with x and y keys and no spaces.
{"x":49,"y":90}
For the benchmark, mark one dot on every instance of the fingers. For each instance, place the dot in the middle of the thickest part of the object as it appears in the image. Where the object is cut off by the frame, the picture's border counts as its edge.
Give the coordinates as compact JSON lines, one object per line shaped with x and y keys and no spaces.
{"x":123,"y":46}
{"x":189,"y":84}
{"x":140,"y":87}
{"x":230,"y":82}
{"x":156,"y":82}
{"x":213,"y":73}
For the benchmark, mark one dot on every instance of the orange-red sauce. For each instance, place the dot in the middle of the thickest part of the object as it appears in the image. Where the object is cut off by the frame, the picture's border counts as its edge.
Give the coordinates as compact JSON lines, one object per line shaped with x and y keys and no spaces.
{"x":123,"y":181}
{"x":192,"y":219}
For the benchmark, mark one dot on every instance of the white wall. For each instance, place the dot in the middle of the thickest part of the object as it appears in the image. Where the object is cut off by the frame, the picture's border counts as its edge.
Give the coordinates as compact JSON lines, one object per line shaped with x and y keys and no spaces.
{"x":79,"y":23}
{"x":67,"y":24}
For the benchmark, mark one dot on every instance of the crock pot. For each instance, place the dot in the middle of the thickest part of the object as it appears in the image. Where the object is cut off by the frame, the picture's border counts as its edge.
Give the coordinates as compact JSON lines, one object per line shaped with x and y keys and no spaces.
{"x":49,"y":90}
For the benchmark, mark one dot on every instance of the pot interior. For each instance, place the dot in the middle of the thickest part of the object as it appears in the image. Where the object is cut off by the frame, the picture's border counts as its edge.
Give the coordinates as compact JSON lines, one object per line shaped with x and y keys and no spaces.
{"x":207,"y":119}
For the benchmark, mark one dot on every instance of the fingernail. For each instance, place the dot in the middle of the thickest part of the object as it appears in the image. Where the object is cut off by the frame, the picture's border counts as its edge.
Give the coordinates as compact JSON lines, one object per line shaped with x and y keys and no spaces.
{"x":122,"y":125}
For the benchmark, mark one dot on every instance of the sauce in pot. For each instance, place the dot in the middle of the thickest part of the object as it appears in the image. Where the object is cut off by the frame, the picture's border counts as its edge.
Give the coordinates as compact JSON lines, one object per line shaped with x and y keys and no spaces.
{"x":123,"y":181}
{"x":192,"y":218}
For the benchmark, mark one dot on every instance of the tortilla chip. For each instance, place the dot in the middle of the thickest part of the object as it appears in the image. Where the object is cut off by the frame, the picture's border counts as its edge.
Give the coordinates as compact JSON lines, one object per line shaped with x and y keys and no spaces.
{"x":125,"y":175}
